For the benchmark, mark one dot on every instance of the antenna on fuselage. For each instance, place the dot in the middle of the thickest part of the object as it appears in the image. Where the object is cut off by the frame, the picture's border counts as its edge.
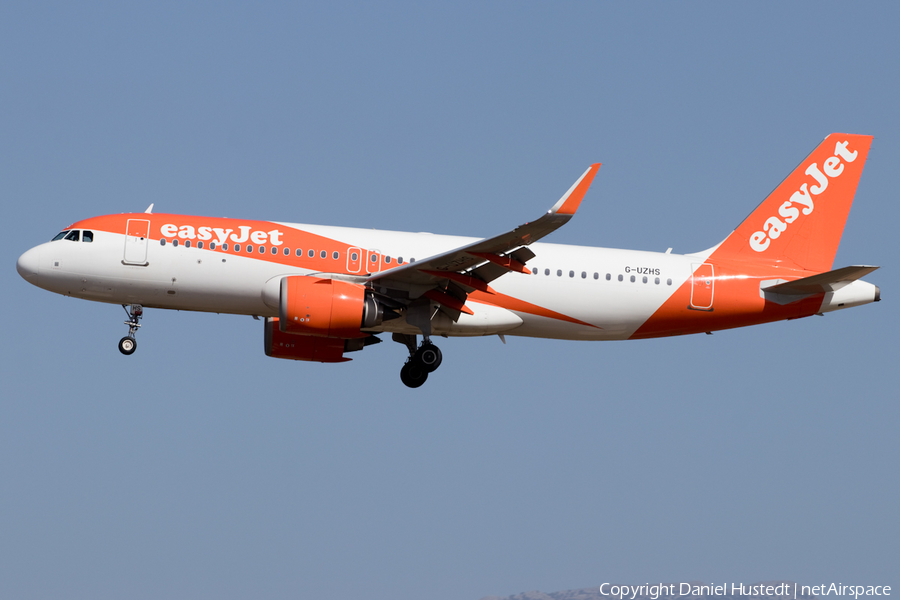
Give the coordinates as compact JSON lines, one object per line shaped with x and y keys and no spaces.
{"x":149,"y":209}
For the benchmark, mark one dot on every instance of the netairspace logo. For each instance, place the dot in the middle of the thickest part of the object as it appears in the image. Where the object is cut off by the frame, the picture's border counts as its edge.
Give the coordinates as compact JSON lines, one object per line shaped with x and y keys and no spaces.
{"x":782,"y":590}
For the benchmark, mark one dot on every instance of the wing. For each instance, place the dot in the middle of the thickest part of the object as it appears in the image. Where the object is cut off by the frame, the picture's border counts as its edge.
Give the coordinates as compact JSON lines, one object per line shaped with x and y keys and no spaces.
{"x":449,"y":277}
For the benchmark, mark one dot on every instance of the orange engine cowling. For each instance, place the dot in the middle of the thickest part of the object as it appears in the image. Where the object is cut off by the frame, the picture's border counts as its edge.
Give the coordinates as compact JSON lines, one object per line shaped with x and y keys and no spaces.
{"x":302,"y":347}
{"x":326,"y":308}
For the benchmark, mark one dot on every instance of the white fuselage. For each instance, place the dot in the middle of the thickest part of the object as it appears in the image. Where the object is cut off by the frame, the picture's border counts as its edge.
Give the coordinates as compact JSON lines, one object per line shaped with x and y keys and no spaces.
{"x":603,"y":289}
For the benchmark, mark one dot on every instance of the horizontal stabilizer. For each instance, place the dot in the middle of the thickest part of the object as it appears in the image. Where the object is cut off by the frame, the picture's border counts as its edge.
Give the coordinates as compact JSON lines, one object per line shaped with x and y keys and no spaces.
{"x":821,"y":283}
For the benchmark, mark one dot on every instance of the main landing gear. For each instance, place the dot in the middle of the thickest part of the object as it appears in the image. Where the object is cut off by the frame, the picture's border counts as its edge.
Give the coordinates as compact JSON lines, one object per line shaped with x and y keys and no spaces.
{"x":127,"y":345}
{"x":422,"y":360}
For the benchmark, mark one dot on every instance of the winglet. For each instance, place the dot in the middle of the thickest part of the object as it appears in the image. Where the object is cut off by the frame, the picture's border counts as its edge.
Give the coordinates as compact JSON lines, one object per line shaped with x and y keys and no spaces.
{"x":571,"y":200}
{"x":149,"y":209}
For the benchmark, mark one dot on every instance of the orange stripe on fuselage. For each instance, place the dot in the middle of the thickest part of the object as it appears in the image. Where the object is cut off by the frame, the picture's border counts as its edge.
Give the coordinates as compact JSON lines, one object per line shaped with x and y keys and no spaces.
{"x":736,"y":302}
{"x":287,"y":237}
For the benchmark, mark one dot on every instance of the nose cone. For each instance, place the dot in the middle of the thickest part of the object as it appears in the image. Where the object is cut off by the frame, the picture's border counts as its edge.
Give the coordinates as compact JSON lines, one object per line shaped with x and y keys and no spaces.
{"x":29,"y":265}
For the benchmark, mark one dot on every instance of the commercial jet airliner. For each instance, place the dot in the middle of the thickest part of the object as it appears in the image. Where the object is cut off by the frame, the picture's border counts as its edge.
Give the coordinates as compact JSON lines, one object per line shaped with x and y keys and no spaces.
{"x":324,"y":292}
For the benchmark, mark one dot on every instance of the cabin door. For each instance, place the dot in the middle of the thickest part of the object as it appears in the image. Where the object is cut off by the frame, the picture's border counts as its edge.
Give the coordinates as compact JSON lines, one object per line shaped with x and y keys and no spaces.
{"x":137,"y":237}
{"x":702,"y":287}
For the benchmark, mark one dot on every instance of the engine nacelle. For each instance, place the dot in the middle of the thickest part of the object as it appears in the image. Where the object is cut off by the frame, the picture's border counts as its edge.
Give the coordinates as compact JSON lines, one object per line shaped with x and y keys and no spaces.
{"x":302,"y":347}
{"x":326,"y":308}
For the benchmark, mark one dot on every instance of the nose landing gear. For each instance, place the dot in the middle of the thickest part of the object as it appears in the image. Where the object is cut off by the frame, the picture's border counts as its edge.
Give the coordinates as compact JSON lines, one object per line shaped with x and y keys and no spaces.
{"x":127,"y":345}
{"x":422,"y":360}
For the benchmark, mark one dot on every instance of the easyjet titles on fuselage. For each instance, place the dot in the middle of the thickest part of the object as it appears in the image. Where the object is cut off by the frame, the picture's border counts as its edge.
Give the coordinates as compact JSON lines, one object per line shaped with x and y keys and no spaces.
{"x":245,"y":233}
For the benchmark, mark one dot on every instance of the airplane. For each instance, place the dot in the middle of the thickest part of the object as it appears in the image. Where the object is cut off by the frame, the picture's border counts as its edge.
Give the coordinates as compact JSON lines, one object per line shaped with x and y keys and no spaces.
{"x":323,"y":292}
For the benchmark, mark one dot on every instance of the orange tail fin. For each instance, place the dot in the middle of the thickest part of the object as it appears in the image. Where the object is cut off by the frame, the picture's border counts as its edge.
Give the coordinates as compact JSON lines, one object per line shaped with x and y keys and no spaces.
{"x":801,"y":222}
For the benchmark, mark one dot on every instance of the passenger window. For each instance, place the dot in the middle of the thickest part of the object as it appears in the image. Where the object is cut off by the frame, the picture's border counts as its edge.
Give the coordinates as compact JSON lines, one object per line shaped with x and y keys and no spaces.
{"x":571,"y":273}
{"x":387,"y":259}
{"x":668,"y":282}
{"x":546,"y":271}
{"x":632,"y":279}
{"x":262,"y":249}
{"x":200,"y":245}
{"x":275,"y":250}
{"x":534,"y":271}
{"x":354,"y":256}
{"x":559,"y":272}
{"x":645,"y":279}
{"x":412,"y":260}
{"x":287,"y":251}
{"x":311,"y":253}
{"x":324,"y":254}
{"x":237,"y":247}
{"x":374,"y":258}
{"x":584,"y":275}
{"x":657,"y":281}
{"x":608,"y":276}
{"x":59,"y":235}
{"x":224,"y":248}
{"x":337,"y":255}
{"x":73,"y":236}
{"x":87,"y":236}
{"x":399,"y":260}
{"x":187,"y":243}
{"x":175,"y":243}
{"x":299,"y":252}
{"x":212,"y":245}
{"x":596,"y":275}
{"x":620,"y":278}
{"x":162,"y":242}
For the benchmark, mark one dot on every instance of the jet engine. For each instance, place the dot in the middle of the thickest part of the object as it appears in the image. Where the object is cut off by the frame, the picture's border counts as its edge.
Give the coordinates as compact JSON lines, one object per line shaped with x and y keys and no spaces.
{"x":326,"y":308}
{"x":321,"y":319}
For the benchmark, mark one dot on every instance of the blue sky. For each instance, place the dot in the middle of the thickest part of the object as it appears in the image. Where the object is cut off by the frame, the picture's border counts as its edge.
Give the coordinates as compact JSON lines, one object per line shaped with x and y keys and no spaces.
{"x":200,"y":468}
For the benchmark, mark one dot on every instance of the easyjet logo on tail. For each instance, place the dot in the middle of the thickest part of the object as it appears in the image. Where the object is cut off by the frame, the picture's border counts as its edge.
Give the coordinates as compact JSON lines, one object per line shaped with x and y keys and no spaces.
{"x":244,"y":233}
{"x":802,"y":199}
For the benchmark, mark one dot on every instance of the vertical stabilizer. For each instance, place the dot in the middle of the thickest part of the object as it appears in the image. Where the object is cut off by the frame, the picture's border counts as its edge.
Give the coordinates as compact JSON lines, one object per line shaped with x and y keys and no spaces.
{"x":801,"y":222}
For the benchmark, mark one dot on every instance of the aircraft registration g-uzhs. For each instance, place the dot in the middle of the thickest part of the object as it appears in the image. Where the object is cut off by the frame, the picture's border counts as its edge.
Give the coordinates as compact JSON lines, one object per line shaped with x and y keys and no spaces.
{"x":324,"y":292}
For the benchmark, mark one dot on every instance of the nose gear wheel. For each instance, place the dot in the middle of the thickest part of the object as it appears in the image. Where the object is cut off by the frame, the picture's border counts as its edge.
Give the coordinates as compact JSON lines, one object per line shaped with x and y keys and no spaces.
{"x":127,"y":345}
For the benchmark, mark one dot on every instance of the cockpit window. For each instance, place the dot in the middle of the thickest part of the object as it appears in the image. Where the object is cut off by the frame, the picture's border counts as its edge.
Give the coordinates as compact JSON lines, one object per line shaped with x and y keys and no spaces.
{"x":73,"y":235}
{"x":87,"y":236}
{"x":60,"y":235}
